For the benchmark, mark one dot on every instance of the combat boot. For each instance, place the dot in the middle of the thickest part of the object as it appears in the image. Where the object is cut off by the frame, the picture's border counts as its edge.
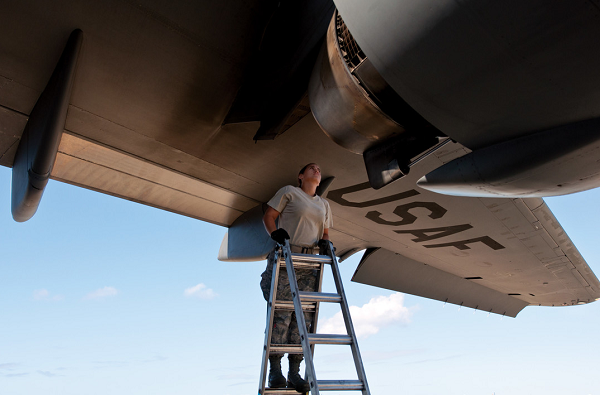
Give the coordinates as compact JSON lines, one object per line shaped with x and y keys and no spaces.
{"x":294,"y":380}
{"x":276,"y":379}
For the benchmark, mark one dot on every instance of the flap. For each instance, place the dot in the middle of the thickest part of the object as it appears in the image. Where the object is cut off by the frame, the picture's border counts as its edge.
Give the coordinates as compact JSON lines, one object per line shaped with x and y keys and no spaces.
{"x":386,"y":269}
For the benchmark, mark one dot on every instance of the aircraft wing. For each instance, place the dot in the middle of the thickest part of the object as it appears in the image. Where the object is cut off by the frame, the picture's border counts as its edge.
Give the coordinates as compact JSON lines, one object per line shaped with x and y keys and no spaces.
{"x":155,"y":117}
{"x":496,"y":255}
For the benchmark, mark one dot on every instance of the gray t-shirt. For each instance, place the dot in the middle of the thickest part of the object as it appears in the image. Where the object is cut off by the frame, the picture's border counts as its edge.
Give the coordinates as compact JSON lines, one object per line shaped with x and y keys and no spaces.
{"x":303,"y":216}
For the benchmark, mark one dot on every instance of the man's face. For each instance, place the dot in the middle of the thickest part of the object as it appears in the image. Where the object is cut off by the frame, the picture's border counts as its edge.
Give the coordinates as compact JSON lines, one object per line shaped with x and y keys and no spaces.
{"x":312,"y":172}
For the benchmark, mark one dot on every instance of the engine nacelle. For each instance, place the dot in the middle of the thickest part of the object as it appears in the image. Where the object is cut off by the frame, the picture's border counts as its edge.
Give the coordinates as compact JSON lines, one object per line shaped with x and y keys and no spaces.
{"x":358,"y":110}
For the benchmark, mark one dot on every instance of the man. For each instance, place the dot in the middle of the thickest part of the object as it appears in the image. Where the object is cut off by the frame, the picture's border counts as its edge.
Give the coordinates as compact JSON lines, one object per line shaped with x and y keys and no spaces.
{"x":307,"y":218}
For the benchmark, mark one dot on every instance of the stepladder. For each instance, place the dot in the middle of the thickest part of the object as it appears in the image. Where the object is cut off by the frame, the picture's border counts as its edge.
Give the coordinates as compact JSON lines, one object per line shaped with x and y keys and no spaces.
{"x":305,"y":304}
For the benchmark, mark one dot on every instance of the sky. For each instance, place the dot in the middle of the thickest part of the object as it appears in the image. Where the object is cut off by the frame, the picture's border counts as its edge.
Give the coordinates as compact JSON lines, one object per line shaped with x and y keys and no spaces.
{"x":99,"y":295}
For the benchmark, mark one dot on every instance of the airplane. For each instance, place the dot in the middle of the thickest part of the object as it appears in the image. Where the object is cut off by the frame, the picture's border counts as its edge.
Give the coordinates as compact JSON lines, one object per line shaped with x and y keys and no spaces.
{"x":439,"y":126}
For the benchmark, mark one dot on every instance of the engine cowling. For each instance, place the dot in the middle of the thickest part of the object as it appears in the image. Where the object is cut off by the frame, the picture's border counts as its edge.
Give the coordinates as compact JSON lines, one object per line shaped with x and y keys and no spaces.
{"x":358,"y":110}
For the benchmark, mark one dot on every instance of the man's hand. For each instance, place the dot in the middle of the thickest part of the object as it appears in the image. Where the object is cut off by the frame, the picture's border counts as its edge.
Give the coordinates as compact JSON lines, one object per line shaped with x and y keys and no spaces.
{"x":323,"y":247}
{"x":280,"y":236}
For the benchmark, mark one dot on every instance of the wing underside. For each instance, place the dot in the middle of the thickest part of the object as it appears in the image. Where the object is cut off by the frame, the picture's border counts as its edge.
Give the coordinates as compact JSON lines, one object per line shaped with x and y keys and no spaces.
{"x":533,"y":263}
{"x":146,"y":128}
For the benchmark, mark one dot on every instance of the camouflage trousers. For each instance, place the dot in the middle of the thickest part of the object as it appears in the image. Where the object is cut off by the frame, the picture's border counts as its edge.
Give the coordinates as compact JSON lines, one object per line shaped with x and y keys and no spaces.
{"x":285,"y":327}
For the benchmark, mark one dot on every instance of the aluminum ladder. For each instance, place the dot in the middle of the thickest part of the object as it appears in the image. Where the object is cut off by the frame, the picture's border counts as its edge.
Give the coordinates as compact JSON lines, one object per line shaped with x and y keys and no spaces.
{"x":309,"y":302}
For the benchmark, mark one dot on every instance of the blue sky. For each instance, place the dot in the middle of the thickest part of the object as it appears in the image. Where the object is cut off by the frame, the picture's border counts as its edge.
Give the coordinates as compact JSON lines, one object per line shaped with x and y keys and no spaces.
{"x":100,"y":295}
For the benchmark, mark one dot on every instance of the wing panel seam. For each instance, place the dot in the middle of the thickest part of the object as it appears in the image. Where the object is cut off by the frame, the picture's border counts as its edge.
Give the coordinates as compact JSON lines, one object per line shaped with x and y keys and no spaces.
{"x":152,"y":182}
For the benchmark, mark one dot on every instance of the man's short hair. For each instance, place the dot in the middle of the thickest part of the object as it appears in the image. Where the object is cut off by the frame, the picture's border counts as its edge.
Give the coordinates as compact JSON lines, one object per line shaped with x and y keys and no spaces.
{"x":302,"y":172}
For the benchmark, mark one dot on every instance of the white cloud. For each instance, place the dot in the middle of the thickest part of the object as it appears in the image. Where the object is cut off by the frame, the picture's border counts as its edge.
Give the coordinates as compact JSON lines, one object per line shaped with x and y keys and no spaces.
{"x":200,"y":291}
{"x":16,"y":375}
{"x":43,"y":294}
{"x":102,"y":293}
{"x":47,"y":373}
{"x":371,"y":317}
{"x":40,"y":294}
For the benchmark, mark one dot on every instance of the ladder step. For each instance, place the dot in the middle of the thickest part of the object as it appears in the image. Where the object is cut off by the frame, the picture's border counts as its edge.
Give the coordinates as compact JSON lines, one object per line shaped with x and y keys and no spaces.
{"x":318,"y":338}
{"x":320,"y":297}
{"x":324,"y":385}
{"x":340,"y":385}
{"x":280,"y":391}
{"x":289,"y":305}
{"x":311,"y":258}
{"x":285,"y":348}
{"x":301,"y":265}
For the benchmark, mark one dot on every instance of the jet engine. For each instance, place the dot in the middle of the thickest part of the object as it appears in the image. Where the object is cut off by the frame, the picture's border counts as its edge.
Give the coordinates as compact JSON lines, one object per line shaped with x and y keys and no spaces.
{"x":358,"y":110}
{"x":517,"y":84}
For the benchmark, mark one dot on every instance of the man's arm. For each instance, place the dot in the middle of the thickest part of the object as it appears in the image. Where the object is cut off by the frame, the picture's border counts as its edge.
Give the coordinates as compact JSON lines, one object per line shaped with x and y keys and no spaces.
{"x":269,"y":219}
{"x":279,"y":235}
{"x":325,"y":234}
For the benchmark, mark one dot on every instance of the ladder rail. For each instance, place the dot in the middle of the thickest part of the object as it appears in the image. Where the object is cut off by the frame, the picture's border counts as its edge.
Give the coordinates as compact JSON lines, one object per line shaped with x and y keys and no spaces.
{"x":270,"y":317}
{"x":316,"y":316}
{"x":310,"y":368}
{"x":360,"y":370}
